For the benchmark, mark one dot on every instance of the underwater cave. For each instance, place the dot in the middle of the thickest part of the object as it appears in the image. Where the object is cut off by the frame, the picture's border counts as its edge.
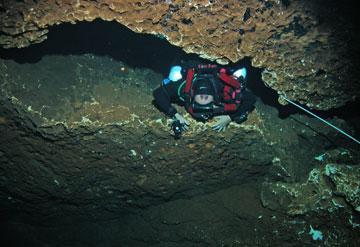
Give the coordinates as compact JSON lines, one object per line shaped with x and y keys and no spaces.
{"x":87,"y":158}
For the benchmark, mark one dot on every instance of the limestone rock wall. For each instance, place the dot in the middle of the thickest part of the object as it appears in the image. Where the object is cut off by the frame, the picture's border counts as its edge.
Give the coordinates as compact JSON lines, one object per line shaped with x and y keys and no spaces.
{"x":111,"y":168}
{"x":332,"y":188}
{"x":90,"y":141}
{"x":308,"y":48}
{"x":81,"y":141}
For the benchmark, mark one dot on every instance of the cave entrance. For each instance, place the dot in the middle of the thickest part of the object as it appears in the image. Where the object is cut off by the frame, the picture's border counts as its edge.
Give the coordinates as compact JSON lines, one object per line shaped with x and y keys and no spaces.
{"x":99,"y":71}
{"x":102,"y":71}
{"x":88,"y":72}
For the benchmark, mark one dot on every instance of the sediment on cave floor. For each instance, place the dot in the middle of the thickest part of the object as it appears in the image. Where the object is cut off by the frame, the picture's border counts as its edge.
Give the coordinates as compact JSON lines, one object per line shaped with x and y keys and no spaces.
{"x":81,"y":88}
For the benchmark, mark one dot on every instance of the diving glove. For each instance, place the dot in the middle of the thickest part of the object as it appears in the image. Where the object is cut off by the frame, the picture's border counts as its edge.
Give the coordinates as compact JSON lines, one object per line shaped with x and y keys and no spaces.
{"x":222,"y":122}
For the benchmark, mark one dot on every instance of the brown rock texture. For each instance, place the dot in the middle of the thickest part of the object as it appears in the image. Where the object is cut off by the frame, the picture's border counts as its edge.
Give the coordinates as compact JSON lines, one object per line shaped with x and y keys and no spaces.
{"x":305,"y":47}
{"x":93,"y":139}
{"x":81,"y":141}
{"x":331,"y":187}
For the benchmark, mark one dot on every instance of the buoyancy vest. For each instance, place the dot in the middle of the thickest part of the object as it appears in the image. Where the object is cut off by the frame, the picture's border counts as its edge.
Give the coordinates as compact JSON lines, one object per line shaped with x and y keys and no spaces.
{"x":229,"y":102}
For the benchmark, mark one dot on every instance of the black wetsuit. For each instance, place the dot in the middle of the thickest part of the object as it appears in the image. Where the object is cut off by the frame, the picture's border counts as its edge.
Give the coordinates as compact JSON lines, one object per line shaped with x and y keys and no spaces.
{"x":172,"y":93}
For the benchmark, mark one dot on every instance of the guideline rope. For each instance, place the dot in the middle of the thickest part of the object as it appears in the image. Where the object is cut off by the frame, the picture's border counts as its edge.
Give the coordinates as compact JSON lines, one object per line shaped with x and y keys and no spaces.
{"x":321,"y":119}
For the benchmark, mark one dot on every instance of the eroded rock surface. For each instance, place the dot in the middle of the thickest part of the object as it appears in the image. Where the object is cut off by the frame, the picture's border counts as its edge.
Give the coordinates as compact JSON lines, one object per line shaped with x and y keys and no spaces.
{"x":82,"y":142}
{"x":95,"y":137}
{"x":308,"y":48}
{"x":332,"y":191}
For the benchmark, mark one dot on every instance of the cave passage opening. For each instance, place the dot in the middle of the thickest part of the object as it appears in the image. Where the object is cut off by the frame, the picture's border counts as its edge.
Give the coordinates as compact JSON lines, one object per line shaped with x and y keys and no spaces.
{"x":100,"y":53}
{"x":140,"y":51}
{"x":103,"y":38}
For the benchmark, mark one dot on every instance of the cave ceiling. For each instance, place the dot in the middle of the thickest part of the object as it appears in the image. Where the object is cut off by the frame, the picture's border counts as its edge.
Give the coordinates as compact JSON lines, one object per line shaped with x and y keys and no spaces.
{"x":308,"y":49}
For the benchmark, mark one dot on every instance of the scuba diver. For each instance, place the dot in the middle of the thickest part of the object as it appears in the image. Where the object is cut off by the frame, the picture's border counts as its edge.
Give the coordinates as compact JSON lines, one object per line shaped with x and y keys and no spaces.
{"x":206,"y":91}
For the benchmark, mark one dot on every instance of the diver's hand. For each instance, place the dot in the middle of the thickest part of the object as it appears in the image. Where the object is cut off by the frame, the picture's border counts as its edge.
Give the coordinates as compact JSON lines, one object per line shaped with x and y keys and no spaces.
{"x":222,"y":122}
{"x":184,"y":122}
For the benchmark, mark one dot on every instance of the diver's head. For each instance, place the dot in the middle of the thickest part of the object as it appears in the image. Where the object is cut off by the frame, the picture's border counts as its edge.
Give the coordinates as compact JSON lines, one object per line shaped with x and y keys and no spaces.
{"x":203,"y":92}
